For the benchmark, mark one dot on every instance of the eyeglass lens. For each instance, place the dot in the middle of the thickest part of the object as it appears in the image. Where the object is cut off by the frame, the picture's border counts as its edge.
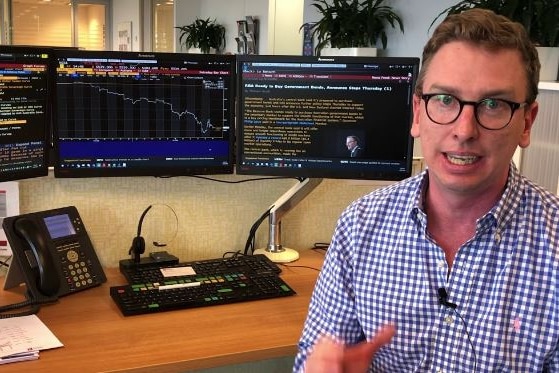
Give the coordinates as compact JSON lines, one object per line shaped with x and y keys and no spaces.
{"x":491,"y":113}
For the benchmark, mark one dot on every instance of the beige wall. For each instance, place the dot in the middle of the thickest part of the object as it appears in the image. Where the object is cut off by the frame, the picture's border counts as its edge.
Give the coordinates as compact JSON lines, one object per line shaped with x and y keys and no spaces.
{"x":539,"y":161}
{"x":91,"y":27}
{"x":212,"y":217}
{"x":285,"y":17}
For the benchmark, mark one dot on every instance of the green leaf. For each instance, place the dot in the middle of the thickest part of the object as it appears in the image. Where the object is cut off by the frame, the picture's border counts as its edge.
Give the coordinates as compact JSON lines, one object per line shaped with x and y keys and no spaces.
{"x":351,"y":23}
{"x":204,"y":34}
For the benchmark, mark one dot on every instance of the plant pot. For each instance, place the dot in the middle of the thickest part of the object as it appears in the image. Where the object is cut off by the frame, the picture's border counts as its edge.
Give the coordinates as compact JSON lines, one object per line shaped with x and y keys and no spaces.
{"x":549,"y":59}
{"x":199,"y":51}
{"x":369,"y":52}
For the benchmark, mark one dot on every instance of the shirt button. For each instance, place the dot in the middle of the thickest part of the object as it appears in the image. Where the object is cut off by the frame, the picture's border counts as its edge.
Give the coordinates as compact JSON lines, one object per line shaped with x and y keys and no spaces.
{"x":441,"y":264}
{"x":440,"y":370}
{"x":449,"y":320}
{"x":498,"y":237}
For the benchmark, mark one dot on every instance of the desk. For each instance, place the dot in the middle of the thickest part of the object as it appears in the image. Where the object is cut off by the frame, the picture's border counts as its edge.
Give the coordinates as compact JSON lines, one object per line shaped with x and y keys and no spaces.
{"x":97,"y":338}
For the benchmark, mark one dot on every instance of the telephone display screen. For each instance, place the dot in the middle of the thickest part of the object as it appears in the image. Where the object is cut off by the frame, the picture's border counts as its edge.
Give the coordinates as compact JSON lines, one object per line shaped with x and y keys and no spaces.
{"x":59,"y":226}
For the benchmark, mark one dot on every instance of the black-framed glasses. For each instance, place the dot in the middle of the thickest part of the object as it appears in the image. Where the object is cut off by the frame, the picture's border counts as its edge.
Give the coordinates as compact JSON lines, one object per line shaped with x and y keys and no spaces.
{"x":491,"y":113}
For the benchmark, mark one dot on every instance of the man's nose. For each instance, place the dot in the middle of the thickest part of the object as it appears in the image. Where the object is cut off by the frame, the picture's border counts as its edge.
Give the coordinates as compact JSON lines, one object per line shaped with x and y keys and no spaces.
{"x":466,"y":125}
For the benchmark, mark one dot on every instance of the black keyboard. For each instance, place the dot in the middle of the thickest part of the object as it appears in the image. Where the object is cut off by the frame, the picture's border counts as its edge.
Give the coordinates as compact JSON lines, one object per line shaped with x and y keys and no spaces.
{"x":248,"y":264}
{"x":227,"y":284}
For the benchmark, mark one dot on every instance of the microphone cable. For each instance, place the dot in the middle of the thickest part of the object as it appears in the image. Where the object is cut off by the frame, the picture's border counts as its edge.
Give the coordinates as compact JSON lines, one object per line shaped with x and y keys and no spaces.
{"x":468,"y":336}
{"x":443,"y":300}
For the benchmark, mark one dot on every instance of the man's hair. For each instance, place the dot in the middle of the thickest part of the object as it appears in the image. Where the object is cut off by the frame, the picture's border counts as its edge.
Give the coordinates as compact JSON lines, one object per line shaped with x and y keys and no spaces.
{"x":488,"y":30}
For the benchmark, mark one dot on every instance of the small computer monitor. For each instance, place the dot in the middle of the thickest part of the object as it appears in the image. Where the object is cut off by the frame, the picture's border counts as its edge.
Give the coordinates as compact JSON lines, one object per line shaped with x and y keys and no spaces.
{"x":143,"y":114}
{"x":25,"y":93}
{"x":325,"y":117}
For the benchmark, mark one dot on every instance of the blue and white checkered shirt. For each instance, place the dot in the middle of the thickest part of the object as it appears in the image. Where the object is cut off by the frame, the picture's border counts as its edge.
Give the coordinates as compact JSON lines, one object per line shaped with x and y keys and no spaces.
{"x":383,"y":267}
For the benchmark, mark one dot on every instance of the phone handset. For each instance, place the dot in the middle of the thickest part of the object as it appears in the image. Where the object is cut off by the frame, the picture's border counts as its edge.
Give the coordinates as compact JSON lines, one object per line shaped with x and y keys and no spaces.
{"x":38,"y":256}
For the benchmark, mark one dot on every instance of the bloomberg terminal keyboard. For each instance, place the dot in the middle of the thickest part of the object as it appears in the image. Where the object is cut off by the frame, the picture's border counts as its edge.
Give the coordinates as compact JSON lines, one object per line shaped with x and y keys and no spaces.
{"x":199,"y":284}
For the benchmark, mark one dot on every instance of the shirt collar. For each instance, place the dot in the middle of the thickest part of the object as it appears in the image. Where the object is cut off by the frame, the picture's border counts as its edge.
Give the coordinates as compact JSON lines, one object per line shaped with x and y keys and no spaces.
{"x":504,"y":210}
{"x":500,"y":214}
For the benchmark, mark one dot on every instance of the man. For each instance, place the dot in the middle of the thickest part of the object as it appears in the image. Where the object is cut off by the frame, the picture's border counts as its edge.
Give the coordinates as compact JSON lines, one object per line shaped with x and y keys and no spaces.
{"x":456,"y":269}
{"x":352,"y":143}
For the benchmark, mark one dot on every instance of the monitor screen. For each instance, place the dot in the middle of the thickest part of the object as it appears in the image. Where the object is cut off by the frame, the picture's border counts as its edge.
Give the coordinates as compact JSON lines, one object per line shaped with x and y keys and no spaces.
{"x":25,"y":93}
{"x":143,"y":114}
{"x":325,"y":117}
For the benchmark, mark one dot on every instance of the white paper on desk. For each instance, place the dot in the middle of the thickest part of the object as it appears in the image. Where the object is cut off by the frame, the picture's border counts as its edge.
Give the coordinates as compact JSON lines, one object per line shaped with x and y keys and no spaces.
{"x":9,"y":206}
{"x":24,"y":356}
{"x":25,"y":334}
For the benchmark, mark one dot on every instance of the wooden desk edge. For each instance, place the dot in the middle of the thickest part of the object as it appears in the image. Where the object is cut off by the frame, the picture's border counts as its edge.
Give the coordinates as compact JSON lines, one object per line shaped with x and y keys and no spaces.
{"x":51,"y":362}
{"x":213,"y":361}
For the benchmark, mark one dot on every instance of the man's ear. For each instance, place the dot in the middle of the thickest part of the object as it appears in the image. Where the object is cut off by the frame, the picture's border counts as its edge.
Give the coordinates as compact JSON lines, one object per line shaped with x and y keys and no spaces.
{"x":530,"y":114}
{"x":415,"y":119}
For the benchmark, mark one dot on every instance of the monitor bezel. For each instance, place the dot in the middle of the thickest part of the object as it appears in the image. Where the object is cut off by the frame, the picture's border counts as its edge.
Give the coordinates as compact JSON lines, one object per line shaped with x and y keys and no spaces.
{"x":186,"y":170}
{"x":321,"y":173}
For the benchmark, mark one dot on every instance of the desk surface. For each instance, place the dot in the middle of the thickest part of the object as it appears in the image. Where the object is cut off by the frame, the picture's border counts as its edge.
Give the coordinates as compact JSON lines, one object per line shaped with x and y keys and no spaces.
{"x":97,"y":338}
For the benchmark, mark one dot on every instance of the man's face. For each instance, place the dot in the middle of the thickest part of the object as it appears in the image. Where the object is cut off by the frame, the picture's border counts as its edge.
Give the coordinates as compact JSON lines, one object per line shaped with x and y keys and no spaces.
{"x":462,"y":156}
{"x":350,"y":143}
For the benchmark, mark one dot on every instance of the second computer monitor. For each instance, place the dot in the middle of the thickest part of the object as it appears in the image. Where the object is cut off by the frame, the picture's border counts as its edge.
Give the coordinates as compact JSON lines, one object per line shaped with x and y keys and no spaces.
{"x":325,"y":117}
{"x":150,"y":114}
{"x":25,"y":93}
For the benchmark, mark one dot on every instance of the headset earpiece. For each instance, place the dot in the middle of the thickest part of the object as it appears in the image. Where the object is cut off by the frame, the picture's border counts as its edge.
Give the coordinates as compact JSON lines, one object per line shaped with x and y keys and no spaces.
{"x":138,"y":247}
{"x":138,"y":243}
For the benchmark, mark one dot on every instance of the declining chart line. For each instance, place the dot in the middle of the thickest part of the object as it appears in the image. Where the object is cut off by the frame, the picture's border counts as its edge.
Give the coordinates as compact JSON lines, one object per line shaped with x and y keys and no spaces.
{"x":203,"y":128}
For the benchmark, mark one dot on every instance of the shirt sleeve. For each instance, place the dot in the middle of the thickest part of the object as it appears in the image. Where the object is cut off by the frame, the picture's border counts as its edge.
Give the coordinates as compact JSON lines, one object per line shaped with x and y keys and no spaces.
{"x":332,"y":306}
{"x":553,"y":365}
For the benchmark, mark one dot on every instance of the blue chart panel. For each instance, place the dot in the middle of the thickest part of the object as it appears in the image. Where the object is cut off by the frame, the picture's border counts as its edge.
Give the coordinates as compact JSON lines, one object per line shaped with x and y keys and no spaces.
{"x":143,"y":114}
{"x":131,"y":99}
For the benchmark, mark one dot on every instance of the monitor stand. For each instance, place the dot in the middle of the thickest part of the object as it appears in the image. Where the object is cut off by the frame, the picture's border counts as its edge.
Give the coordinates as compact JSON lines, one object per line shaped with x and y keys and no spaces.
{"x":275,"y":251}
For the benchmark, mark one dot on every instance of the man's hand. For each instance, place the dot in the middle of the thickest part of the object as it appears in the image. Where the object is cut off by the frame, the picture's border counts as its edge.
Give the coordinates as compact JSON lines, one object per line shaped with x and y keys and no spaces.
{"x":333,"y":357}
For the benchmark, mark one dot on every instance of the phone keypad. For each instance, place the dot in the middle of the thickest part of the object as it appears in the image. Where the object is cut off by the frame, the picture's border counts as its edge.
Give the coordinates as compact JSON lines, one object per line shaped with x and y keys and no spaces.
{"x":76,"y":270}
{"x":80,"y":274}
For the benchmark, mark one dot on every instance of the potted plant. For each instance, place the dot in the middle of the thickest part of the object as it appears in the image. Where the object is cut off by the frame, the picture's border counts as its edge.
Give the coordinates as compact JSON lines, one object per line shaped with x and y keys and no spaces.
{"x":353,"y":23}
{"x":539,"y":17}
{"x":205,"y":34}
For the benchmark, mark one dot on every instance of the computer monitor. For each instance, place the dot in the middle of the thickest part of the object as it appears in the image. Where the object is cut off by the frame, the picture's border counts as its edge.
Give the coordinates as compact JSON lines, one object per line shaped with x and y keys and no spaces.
{"x":25,"y":92}
{"x":143,"y":114}
{"x":316,"y":117}
{"x":297,"y":116}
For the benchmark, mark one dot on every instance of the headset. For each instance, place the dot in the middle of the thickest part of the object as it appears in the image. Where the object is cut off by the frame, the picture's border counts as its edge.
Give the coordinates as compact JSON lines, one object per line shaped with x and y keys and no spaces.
{"x":138,"y":246}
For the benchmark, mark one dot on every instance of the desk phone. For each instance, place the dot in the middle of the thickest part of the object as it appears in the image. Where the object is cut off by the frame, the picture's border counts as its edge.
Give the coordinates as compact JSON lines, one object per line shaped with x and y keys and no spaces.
{"x":53,"y":254}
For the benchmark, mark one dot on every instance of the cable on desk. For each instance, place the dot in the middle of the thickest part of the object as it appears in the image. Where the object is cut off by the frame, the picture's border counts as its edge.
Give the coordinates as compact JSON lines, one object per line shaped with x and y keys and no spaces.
{"x":319,"y":247}
{"x":252,"y":235}
{"x":33,"y":304}
{"x":231,"y":254}
{"x":298,"y":266}
{"x":33,"y":310}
